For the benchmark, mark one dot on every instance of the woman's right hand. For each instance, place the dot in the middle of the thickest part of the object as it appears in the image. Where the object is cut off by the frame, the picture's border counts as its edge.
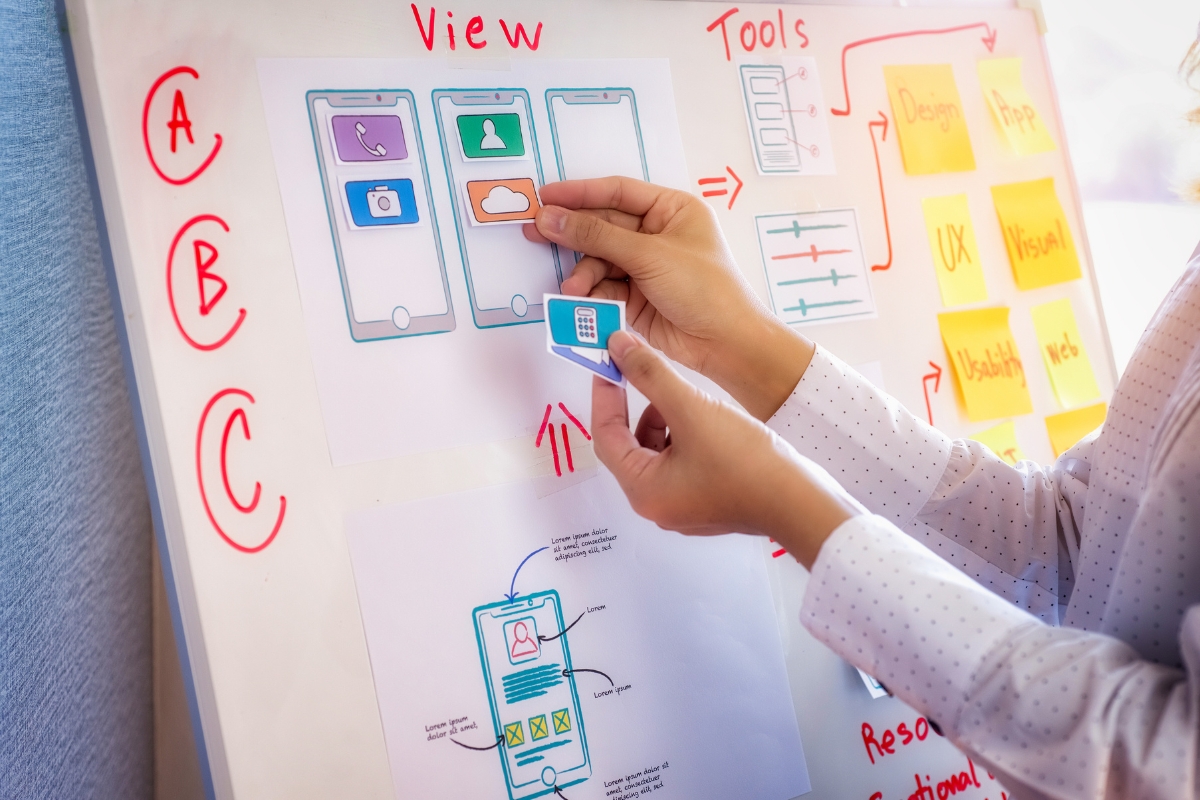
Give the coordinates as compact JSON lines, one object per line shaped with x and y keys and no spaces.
{"x":662,"y":252}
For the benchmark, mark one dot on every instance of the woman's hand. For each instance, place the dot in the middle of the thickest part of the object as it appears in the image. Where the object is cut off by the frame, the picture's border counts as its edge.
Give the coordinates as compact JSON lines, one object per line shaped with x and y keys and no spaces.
{"x":700,"y":466}
{"x":662,"y":252}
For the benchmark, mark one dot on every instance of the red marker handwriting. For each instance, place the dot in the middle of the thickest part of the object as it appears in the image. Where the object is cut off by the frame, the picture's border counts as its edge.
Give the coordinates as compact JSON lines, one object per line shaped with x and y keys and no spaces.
{"x":548,"y":426}
{"x":179,"y":121}
{"x":516,"y":35}
{"x":882,"y":122}
{"x":205,"y":255}
{"x":988,"y":40}
{"x":750,"y":33}
{"x":236,"y":415}
{"x":715,"y":192}
{"x":936,"y":377}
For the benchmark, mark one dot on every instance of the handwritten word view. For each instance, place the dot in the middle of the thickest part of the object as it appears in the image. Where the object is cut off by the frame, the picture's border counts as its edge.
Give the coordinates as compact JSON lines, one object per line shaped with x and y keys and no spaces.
{"x":1012,"y":108}
{"x":955,"y":253}
{"x":929,"y":119}
{"x":986,"y":363}
{"x":474,"y":32}
{"x":1063,"y":352}
{"x":1036,"y":233}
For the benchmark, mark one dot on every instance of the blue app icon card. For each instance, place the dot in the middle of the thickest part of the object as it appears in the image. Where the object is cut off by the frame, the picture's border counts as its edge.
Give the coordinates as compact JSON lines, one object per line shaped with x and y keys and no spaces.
{"x":382,"y":202}
{"x":577,"y":330}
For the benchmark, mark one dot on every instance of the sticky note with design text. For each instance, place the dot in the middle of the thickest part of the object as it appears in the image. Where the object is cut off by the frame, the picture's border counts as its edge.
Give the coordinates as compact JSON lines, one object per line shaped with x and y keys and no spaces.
{"x":1012,"y":108}
{"x":929,"y":119}
{"x":986,"y":363}
{"x":1002,"y":440}
{"x":955,"y":253}
{"x":1067,"y":428}
{"x":1063,"y":353}
{"x":1037,"y":235}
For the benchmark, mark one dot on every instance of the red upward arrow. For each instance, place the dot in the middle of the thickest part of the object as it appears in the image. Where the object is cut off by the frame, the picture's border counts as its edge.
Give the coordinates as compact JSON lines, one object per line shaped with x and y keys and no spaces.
{"x":989,"y":42}
{"x":882,"y":122}
{"x":937,"y":382}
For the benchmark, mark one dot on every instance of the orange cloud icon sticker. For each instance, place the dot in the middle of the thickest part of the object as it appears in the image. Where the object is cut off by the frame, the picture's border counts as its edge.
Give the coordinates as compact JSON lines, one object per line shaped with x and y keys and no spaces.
{"x":508,"y":200}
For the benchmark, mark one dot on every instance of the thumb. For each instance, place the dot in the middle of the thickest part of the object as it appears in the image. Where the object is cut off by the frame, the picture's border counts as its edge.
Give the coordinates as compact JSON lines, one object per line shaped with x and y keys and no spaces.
{"x":593,"y":236}
{"x":650,"y":373}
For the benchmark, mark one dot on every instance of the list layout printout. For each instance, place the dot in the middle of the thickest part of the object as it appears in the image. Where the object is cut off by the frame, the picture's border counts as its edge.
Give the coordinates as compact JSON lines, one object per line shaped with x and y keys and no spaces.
{"x":814,"y":266}
{"x":560,"y":638}
{"x":787,"y":117}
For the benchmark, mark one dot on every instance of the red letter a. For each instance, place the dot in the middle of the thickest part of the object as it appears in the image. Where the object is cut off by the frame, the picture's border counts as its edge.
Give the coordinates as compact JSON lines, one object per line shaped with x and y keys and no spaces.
{"x":179,"y":119}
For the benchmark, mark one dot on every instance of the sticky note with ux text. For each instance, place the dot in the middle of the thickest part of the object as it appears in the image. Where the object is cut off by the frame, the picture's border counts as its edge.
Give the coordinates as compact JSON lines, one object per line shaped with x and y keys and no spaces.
{"x":577,"y":330}
{"x":1002,"y":440}
{"x":1036,"y":233}
{"x":929,"y":119}
{"x":1012,"y":108}
{"x":955,"y":254}
{"x":986,"y":363}
{"x":1063,"y":353}
{"x":1067,"y":428}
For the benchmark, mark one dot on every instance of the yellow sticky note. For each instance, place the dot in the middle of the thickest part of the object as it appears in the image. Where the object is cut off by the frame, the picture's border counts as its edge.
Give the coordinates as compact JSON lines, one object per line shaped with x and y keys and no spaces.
{"x":929,"y":119}
{"x":1067,"y":428}
{"x":1002,"y":440}
{"x":986,"y":363}
{"x":1063,"y":353}
{"x":1012,"y":108}
{"x":955,"y":254}
{"x":1036,"y":233}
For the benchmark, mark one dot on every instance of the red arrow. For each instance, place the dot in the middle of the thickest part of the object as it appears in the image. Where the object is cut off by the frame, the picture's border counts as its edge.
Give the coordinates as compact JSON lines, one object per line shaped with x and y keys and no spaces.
{"x":989,"y":41}
{"x":882,"y":122}
{"x":937,"y":382}
{"x":719,"y":192}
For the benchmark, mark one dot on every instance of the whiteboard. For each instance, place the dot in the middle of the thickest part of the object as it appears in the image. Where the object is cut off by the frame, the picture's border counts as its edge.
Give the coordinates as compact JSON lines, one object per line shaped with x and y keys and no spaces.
{"x":272,"y":632}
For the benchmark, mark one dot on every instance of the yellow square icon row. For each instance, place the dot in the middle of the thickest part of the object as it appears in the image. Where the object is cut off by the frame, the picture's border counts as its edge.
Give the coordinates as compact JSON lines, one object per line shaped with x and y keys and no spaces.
{"x":514,"y":732}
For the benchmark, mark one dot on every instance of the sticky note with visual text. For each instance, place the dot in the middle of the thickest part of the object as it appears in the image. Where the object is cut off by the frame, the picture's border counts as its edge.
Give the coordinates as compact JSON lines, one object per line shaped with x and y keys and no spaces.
{"x":955,"y":253}
{"x":1063,"y":353}
{"x":1037,"y":235}
{"x":1012,"y":108}
{"x":986,"y":363}
{"x":929,"y":119}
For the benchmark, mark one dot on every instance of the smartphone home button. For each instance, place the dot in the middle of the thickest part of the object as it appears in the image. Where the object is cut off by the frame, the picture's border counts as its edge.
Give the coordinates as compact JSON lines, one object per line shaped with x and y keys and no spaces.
{"x":549,"y":776}
{"x":520,"y":306}
{"x":401,"y":318}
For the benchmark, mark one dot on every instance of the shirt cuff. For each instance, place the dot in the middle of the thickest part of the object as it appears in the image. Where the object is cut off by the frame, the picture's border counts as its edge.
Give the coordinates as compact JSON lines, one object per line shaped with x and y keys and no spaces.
{"x":889,"y":460}
{"x":888,"y":605}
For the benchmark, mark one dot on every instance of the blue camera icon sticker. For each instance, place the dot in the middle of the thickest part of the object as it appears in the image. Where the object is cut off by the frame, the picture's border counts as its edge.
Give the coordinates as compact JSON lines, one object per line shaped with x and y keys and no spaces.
{"x":577,"y":330}
{"x":382,"y":202}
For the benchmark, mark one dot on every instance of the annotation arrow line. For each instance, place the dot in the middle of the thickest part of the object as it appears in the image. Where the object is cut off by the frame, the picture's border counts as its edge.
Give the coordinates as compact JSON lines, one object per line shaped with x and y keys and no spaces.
{"x":882,"y":122}
{"x":936,"y":375}
{"x":989,"y":41}
{"x":569,"y":672}
{"x":560,"y":633}
{"x":558,"y":792}
{"x":721,"y":192}
{"x":511,"y":594}
{"x":492,"y":746}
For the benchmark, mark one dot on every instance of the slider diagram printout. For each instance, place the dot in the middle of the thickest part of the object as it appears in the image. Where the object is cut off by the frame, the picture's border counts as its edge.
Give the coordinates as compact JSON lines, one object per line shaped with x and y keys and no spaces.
{"x":405,"y":185}
{"x":564,"y":647}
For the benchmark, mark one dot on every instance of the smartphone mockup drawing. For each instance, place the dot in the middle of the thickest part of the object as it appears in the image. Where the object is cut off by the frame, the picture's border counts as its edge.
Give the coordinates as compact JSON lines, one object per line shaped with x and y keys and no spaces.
{"x":596,"y":133}
{"x":531,"y":690}
{"x":380,"y":208}
{"x":491,"y":156}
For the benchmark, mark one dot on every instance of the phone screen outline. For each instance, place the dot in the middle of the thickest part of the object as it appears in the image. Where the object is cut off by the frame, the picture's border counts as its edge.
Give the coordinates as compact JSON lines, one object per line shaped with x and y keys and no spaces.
{"x":594,"y":97}
{"x":493,"y":98}
{"x":374,"y":100}
{"x":500,"y":611}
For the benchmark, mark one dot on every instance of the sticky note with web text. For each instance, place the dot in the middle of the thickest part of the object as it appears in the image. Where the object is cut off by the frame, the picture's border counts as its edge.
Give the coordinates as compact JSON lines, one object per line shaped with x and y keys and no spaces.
{"x":928,"y":115}
{"x":1037,"y":235}
{"x":1002,"y":440}
{"x":1063,"y":353}
{"x":955,"y":253}
{"x":1067,"y":428}
{"x":987,"y":366}
{"x":1012,"y":108}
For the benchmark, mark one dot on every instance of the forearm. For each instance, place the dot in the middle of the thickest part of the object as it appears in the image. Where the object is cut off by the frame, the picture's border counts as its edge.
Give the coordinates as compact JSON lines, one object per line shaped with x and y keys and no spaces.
{"x":759,"y":362}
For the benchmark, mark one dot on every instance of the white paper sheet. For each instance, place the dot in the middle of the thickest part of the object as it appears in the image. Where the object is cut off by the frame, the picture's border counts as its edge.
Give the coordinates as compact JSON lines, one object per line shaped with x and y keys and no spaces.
{"x":374,"y":389}
{"x":684,"y":627}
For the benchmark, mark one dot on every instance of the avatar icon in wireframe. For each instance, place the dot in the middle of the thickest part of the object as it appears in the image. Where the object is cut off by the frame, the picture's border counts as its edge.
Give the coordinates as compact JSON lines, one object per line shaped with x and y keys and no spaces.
{"x":490,"y":140}
{"x":523,"y":644}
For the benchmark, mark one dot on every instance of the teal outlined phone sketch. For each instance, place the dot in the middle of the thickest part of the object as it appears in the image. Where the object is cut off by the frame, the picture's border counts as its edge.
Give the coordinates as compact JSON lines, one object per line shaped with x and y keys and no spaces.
{"x":596,"y":133}
{"x":769,"y":115}
{"x":380,"y":208}
{"x":532,"y":694}
{"x":488,"y":138}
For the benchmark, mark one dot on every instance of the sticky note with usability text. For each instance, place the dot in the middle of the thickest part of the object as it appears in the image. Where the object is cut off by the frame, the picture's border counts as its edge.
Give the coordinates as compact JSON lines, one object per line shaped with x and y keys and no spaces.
{"x":986,"y":363}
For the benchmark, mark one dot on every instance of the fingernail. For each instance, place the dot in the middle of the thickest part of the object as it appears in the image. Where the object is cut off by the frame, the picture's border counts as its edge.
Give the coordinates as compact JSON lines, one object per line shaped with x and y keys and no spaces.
{"x":552,"y":219}
{"x":621,"y":343}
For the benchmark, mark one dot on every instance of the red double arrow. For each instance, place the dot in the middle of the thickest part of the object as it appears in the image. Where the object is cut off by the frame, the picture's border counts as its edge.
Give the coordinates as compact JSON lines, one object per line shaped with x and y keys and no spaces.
{"x":719,"y":192}
{"x":988,"y":40}
{"x":882,"y":122}
{"x":936,"y":376}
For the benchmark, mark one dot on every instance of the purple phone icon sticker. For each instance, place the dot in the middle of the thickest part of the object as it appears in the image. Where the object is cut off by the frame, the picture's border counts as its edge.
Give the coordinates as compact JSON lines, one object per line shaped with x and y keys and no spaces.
{"x":371,"y":137}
